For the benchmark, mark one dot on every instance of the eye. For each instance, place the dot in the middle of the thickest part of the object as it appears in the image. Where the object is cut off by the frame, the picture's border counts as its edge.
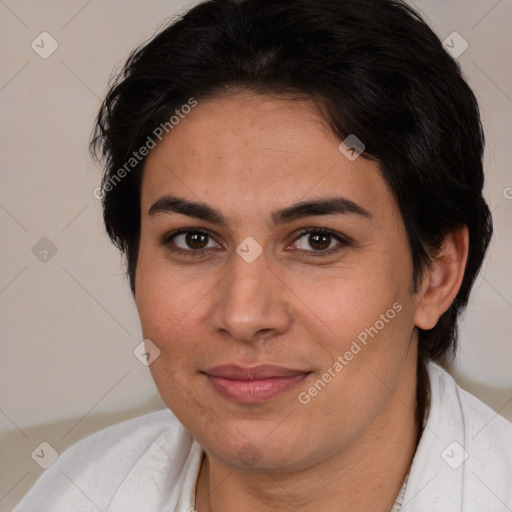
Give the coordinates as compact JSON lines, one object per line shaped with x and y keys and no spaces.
{"x":322,"y":241}
{"x":198,"y":242}
{"x":190,"y":242}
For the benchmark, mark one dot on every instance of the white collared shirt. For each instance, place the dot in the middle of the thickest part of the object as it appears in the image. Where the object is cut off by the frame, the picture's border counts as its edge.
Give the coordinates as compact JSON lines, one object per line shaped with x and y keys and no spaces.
{"x":463,"y":463}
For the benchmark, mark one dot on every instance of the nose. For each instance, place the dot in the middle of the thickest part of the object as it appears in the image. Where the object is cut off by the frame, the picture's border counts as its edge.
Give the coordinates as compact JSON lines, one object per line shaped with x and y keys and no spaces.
{"x":251,"y":302}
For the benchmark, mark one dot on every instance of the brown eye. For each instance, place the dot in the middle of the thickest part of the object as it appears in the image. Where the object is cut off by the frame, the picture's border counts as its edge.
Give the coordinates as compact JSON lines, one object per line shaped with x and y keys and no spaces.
{"x":320,"y":242}
{"x":190,"y":242}
{"x":195,"y":239}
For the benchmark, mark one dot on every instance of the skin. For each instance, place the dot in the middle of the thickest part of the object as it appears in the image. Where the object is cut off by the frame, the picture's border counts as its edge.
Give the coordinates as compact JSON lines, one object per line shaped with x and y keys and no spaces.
{"x":351,"y":446}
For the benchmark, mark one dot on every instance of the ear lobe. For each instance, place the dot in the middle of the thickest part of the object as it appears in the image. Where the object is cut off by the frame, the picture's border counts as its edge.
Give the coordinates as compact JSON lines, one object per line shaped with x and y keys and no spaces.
{"x":441,"y":283}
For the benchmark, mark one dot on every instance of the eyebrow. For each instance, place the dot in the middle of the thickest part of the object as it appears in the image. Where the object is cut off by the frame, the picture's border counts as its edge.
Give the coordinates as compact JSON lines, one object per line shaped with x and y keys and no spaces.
{"x":315,"y":207}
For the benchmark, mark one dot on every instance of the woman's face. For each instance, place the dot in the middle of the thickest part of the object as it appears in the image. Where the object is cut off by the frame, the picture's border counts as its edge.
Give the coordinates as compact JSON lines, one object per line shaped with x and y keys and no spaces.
{"x":334,"y":308}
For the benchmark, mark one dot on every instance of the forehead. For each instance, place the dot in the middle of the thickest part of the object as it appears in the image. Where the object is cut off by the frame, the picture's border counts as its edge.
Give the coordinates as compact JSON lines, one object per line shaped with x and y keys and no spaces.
{"x":246,"y":151}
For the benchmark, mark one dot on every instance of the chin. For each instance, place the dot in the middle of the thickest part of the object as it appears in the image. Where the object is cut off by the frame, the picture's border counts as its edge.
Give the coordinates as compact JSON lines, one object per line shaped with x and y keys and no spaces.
{"x":262,"y":455}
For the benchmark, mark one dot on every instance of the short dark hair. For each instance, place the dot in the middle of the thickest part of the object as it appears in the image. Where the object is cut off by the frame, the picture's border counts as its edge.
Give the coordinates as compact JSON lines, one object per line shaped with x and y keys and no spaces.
{"x":373,"y":67}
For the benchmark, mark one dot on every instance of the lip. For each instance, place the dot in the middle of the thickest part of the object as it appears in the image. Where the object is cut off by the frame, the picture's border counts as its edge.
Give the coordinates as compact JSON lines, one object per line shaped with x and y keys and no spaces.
{"x":252,"y":385}
{"x":262,"y":371}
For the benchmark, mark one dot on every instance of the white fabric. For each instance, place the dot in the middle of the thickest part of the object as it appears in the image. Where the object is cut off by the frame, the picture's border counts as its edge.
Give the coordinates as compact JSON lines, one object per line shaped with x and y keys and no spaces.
{"x":151,"y":463}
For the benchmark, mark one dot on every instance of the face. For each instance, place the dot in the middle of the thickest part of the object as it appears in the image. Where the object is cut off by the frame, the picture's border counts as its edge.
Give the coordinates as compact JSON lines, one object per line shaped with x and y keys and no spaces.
{"x":249,"y":279}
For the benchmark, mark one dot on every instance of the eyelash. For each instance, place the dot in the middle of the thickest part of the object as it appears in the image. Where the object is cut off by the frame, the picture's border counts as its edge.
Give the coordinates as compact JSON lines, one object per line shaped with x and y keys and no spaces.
{"x":193,"y":253}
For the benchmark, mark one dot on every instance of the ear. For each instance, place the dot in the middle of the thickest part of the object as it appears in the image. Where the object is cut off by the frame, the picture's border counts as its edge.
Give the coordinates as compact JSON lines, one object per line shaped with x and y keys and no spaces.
{"x":441,"y":283}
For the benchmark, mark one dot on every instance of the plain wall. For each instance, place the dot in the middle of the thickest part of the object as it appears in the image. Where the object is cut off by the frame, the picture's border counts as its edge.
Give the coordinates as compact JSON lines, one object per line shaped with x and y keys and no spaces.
{"x":68,"y":324}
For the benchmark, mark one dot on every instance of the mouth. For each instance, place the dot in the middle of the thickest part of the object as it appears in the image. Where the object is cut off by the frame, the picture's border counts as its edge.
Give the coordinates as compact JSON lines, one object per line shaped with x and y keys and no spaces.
{"x":255,"y":384}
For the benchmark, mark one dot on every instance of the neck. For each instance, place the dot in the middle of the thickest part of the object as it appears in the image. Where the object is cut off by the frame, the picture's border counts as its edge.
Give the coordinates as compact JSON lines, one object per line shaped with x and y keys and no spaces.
{"x":367,"y":475}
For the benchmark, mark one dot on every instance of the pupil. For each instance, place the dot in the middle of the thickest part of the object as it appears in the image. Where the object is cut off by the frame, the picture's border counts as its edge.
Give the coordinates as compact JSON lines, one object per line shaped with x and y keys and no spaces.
{"x":194,"y":238}
{"x":314,"y":241}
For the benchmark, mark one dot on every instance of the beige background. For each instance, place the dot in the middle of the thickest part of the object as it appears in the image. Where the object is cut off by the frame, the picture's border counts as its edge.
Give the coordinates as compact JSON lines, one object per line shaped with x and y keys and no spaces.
{"x":69,"y":325}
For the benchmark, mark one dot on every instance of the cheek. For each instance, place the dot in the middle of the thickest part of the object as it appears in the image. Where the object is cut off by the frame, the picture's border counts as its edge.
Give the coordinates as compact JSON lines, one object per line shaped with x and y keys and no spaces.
{"x":171,"y":305}
{"x":168,"y":306}
{"x":366,"y":318}
{"x":346,"y":304}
